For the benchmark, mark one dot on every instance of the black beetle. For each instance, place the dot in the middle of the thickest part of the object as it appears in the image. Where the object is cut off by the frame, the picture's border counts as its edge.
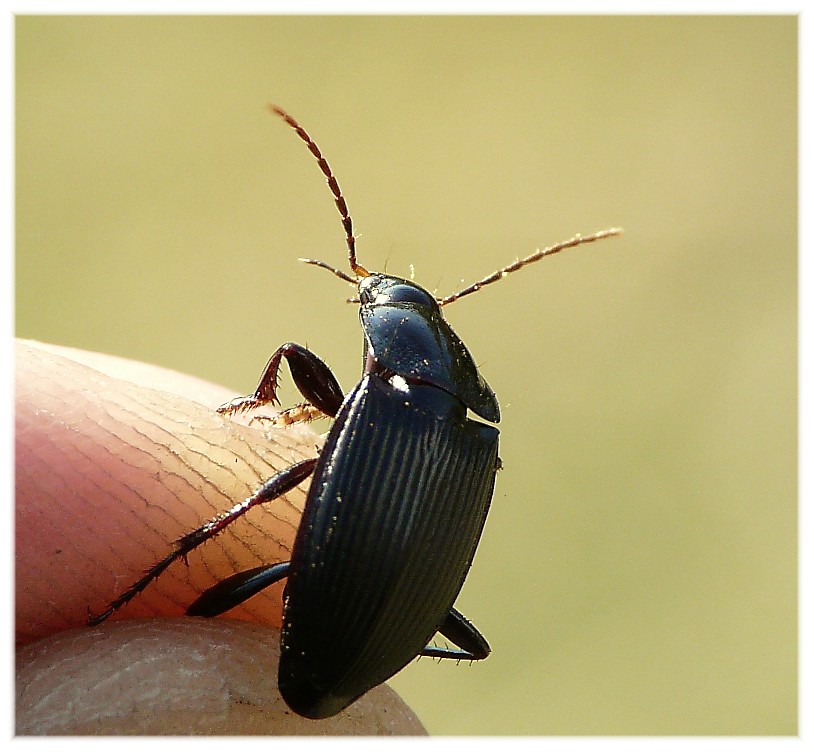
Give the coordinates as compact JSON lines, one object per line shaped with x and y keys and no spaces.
{"x":398,"y":498}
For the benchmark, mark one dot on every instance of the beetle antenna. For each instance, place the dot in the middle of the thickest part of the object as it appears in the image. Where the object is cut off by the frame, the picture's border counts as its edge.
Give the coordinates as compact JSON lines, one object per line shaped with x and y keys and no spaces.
{"x":339,"y":199}
{"x":325,"y":265}
{"x":536,"y":256}
{"x":338,"y":272}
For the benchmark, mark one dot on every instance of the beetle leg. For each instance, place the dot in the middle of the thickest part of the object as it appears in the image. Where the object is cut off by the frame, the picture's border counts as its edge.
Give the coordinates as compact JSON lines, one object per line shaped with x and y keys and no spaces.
{"x":273,"y":488}
{"x":463,"y":633}
{"x":312,"y":377}
{"x":303,"y":413}
{"x":239,"y":587}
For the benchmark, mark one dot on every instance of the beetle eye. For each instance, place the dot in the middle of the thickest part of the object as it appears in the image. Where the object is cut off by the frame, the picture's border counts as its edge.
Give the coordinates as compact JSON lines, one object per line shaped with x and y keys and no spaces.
{"x":408,"y":294}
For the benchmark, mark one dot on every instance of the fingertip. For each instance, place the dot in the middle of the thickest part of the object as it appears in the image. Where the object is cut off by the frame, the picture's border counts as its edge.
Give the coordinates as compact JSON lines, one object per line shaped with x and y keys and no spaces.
{"x":110,"y":473}
{"x":177,"y":676}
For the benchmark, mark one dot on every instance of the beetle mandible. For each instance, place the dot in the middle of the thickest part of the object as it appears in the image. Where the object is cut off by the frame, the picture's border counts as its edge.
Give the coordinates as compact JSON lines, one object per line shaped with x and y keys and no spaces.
{"x":398,"y":497}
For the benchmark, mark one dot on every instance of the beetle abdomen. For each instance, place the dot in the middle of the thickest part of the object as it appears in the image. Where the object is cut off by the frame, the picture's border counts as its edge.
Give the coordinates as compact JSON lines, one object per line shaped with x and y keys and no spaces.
{"x":393,"y":517}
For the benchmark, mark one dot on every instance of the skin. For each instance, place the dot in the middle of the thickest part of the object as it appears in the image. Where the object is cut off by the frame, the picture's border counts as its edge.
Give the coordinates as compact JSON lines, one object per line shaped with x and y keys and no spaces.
{"x":114,"y":461}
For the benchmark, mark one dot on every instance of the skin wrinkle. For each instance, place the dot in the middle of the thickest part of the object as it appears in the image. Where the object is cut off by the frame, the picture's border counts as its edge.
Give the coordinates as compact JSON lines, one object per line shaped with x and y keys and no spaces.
{"x":77,"y":447}
{"x":250,"y":521}
{"x":64,"y":510}
{"x":166,"y":445}
{"x":187,"y":440}
{"x":129,"y":490}
{"x":186,"y":479}
{"x":229,"y":468}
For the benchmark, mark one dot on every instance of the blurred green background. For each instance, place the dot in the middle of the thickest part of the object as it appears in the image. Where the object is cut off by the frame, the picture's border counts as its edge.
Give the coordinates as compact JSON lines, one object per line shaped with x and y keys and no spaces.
{"x":638,"y":571}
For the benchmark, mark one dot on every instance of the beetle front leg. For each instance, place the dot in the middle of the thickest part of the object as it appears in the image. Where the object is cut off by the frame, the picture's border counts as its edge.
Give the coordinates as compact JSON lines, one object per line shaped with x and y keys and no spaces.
{"x":303,"y":413}
{"x":313,"y":379}
{"x":273,"y":488}
{"x":463,"y":633}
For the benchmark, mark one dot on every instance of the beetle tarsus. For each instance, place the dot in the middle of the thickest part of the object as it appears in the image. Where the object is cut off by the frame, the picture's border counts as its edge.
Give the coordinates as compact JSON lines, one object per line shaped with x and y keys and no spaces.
{"x":471,"y":644}
{"x":302,"y":413}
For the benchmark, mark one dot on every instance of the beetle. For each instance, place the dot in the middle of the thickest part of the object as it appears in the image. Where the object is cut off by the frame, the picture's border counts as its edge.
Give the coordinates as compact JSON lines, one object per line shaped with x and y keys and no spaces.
{"x":398,"y":497}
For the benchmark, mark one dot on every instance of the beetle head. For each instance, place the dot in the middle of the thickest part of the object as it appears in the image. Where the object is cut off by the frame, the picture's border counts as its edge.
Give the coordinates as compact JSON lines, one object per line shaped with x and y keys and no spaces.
{"x":383,"y":289}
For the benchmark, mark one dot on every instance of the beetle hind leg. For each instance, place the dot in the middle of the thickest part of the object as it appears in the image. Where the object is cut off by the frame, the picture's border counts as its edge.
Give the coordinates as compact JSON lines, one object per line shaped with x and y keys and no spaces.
{"x":273,"y":488}
{"x":472,"y":645}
